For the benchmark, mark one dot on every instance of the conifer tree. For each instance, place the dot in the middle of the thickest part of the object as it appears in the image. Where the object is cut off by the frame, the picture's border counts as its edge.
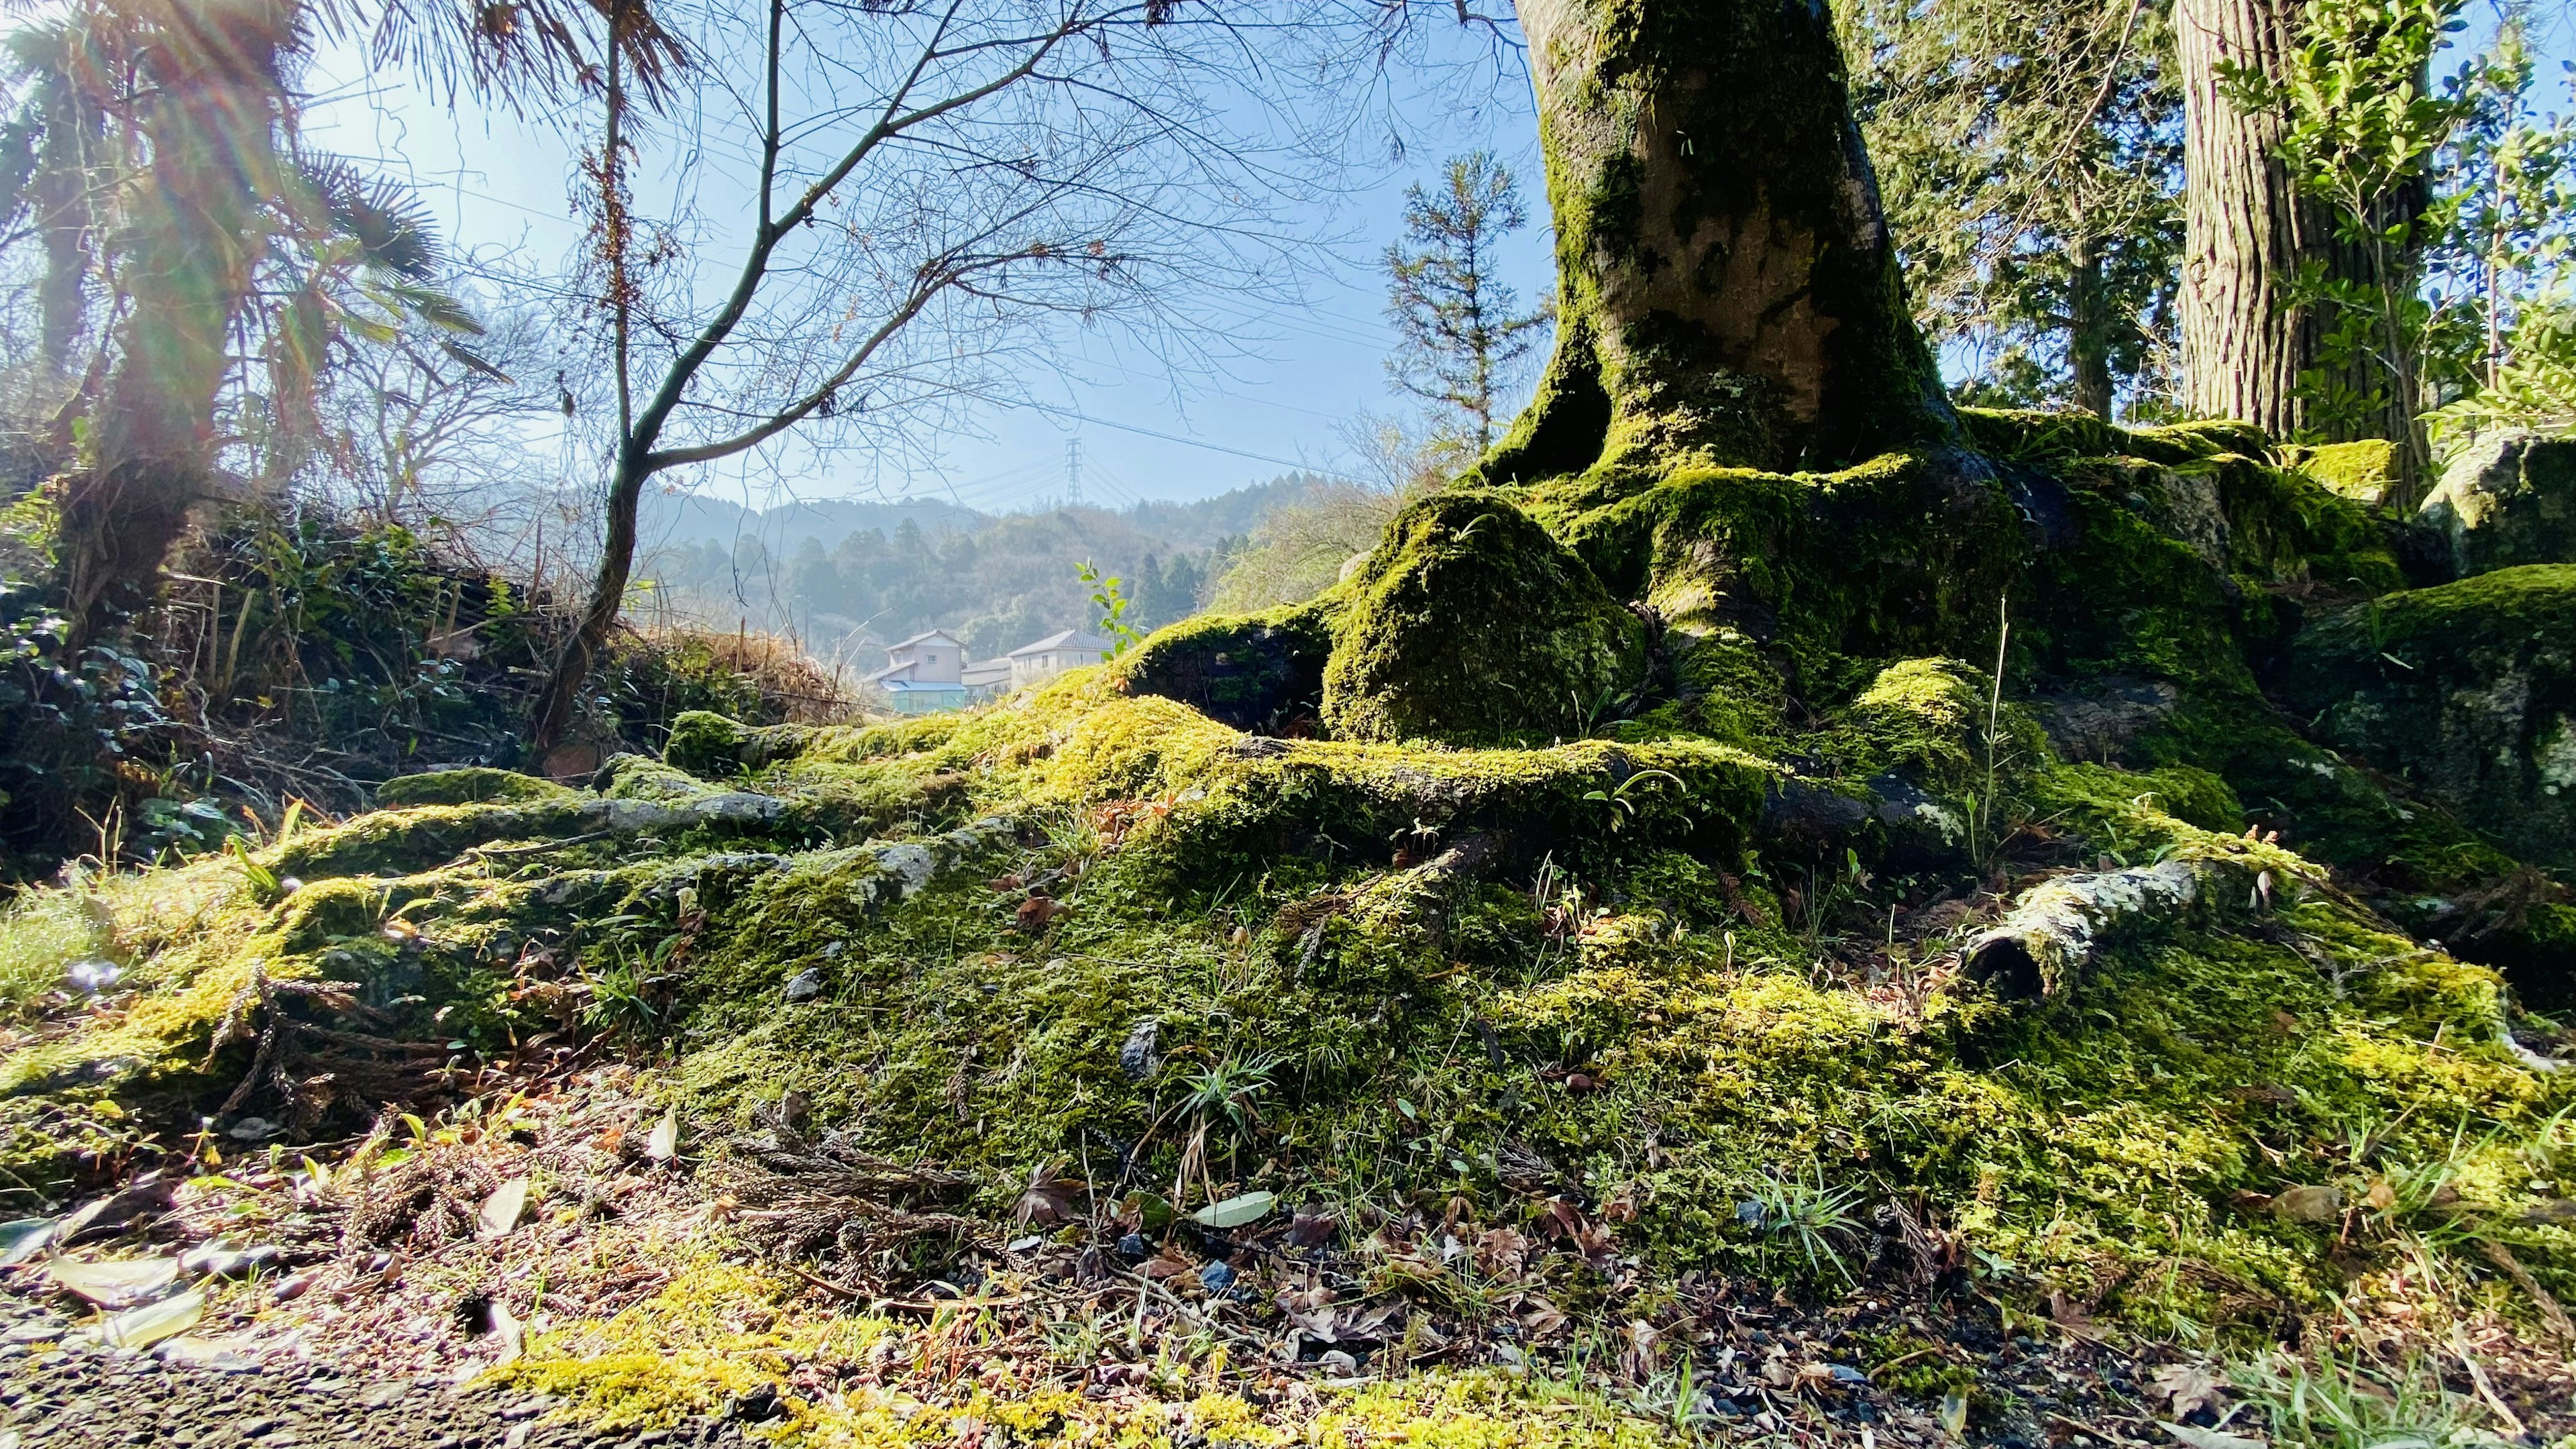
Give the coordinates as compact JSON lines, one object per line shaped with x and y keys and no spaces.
{"x":1460,"y":326}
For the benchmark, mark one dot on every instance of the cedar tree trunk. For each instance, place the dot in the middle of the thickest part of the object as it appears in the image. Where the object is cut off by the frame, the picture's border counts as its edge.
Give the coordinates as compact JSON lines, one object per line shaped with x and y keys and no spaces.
{"x":1727,"y":287}
{"x":2246,"y":229}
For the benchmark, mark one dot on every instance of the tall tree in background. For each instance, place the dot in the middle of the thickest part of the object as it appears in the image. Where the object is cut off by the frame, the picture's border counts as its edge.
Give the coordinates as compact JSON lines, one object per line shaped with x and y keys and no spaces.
{"x":932,"y":187}
{"x":2030,"y":155}
{"x":2248,"y":231}
{"x":1459,"y":327}
{"x":2285,"y":233}
{"x":1726,"y":284}
{"x":226,"y":228}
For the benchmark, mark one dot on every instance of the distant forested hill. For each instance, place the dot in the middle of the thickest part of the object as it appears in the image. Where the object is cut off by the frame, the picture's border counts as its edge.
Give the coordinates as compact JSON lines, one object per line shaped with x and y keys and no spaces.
{"x":846,"y":576}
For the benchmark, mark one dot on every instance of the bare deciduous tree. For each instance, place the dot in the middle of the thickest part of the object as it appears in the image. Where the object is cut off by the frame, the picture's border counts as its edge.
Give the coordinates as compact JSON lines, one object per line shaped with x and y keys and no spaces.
{"x":936,"y":191}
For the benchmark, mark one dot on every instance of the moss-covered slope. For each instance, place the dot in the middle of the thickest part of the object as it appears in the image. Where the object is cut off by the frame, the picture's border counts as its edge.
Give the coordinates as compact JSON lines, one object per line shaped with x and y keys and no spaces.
{"x":1710,"y":875}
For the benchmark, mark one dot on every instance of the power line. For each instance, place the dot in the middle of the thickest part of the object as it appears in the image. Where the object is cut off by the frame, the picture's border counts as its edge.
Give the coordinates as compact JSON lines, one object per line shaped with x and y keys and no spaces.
{"x":1081,"y":417}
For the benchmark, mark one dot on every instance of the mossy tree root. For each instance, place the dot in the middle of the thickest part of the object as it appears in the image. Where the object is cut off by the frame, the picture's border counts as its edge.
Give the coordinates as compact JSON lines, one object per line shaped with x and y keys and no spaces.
{"x":2039,"y":951}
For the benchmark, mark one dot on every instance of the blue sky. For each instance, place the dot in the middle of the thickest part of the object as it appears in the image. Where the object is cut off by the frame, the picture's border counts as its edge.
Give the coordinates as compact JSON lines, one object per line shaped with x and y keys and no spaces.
{"x":1303,"y":369}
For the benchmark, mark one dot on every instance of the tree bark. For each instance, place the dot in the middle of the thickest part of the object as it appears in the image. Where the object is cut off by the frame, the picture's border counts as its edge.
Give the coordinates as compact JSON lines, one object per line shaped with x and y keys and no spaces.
{"x":2246,"y":229}
{"x":2088,"y":328}
{"x":1727,"y":286}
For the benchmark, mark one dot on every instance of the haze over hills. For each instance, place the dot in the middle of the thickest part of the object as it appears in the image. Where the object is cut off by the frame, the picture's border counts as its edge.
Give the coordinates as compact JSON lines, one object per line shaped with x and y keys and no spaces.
{"x":846,"y":576}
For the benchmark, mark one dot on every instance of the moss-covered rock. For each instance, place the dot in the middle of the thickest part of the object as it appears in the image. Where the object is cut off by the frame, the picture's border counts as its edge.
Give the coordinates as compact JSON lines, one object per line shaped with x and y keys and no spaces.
{"x":472,"y":786}
{"x":2466,"y":691}
{"x":1264,"y":672}
{"x":2363,"y":471}
{"x":1470,"y":624}
{"x":2507,"y":500}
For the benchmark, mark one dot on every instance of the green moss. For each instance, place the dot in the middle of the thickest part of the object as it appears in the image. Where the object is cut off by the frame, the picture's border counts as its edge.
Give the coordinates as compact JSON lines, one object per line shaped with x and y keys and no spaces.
{"x":1469,"y":624}
{"x":2361,"y":471}
{"x":471,"y":786}
{"x":2467,"y":692}
{"x":1264,"y":672}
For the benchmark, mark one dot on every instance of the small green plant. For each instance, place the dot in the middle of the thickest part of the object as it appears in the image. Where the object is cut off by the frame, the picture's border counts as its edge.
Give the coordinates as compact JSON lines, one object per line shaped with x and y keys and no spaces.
{"x":2340,"y":1405}
{"x":1806,"y":1215}
{"x":625,"y":1002}
{"x":1226,"y":1091}
{"x":1982,"y":841}
{"x":1109,"y":597}
{"x":1622,"y":808}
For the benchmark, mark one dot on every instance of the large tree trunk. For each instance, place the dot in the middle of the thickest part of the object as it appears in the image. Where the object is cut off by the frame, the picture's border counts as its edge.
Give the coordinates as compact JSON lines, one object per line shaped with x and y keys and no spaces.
{"x":2249,"y":231}
{"x":2246,"y":229}
{"x":2088,"y":327}
{"x":1727,"y":287}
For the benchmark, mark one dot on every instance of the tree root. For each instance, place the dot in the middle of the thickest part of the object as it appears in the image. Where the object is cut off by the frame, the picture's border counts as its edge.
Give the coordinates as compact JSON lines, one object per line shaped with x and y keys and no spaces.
{"x":2039,"y":950}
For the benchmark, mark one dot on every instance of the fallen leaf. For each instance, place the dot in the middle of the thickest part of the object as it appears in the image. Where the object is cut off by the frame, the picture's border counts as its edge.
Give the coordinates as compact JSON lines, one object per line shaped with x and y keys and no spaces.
{"x":143,"y":1327}
{"x":24,"y":1239}
{"x":1048,"y":1199}
{"x":1166,"y":1264}
{"x":2189,"y":1386}
{"x":1312,"y":1230}
{"x":1234,"y":1212}
{"x":664,"y":1144}
{"x":512,"y":1333}
{"x":120,"y":1284}
{"x":1036,"y":911}
{"x":501,"y":1211}
{"x":2309,"y":1204}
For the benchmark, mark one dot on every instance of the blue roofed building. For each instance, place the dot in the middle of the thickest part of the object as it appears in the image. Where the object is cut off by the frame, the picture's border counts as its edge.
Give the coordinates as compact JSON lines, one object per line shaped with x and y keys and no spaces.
{"x":924,"y":674}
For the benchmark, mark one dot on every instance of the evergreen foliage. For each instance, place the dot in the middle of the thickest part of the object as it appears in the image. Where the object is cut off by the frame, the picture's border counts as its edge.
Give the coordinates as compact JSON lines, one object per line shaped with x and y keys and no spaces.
{"x":1460,"y":328}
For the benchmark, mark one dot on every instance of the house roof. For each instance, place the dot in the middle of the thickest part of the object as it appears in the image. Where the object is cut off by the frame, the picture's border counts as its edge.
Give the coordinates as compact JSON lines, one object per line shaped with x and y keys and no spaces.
{"x":1065,"y":641}
{"x":986,"y":671}
{"x":925,"y":637}
{"x":891,"y":674}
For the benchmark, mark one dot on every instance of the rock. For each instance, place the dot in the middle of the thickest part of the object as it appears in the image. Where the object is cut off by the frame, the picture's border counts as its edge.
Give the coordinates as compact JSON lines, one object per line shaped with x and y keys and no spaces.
{"x":2309,"y":1204}
{"x":805,"y":985}
{"x":1216,"y":1277}
{"x":2363,"y":471}
{"x":2466,"y":691}
{"x":1137,"y":1056}
{"x":93,"y":975}
{"x":2098,"y":722}
{"x":1471,"y":624}
{"x":1264,"y":672}
{"x":2510,"y":499}
{"x":253,"y":1129}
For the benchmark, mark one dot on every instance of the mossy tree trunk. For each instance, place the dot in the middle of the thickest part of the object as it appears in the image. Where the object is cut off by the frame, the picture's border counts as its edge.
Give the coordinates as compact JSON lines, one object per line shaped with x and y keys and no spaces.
{"x":1727,"y":286}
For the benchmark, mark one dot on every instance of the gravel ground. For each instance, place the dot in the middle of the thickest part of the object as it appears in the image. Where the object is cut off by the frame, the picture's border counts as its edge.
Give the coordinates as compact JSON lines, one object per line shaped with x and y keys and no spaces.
{"x":94,"y":1398}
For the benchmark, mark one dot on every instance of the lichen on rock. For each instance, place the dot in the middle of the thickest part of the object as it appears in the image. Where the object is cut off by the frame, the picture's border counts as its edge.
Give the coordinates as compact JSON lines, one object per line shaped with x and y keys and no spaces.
{"x":2506,"y":500}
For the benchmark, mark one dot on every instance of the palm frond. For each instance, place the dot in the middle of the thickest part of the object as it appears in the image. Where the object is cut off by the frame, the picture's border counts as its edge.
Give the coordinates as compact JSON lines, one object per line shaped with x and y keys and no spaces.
{"x":393,"y":230}
{"x":467,"y":356}
{"x":440,"y":309}
{"x":516,"y":51}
